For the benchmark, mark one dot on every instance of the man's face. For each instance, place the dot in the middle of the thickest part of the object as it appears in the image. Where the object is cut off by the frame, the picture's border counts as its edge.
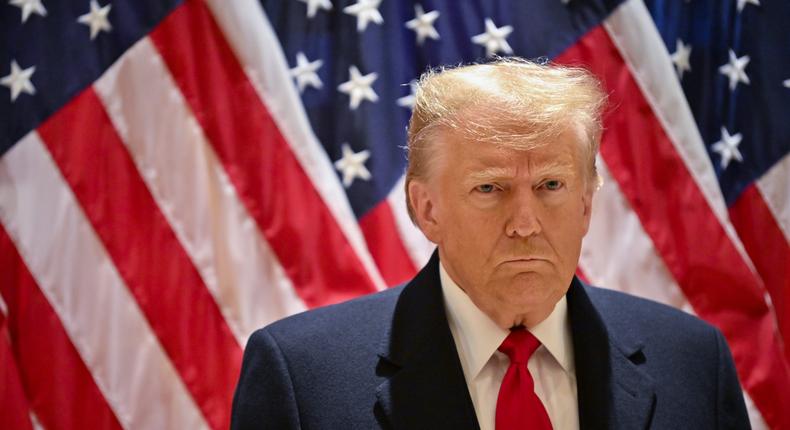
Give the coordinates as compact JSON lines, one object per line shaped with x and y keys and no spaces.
{"x":508,"y":223}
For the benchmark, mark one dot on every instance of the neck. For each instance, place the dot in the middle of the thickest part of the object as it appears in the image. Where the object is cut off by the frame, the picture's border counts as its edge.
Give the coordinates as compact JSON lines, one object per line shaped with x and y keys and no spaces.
{"x":509,"y":321}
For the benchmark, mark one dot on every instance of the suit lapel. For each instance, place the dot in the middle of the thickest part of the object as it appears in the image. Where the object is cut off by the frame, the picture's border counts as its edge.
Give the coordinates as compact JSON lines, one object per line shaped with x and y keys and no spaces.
{"x":425,"y":386}
{"x":612,"y":391}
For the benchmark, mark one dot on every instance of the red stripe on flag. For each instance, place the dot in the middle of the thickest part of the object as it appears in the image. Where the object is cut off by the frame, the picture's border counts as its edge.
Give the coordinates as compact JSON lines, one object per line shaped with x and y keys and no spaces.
{"x":146,"y":252}
{"x":59,"y":387}
{"x":290,"y":213}
{"x":15,"y":412}
{"x":707,"y":266}
{"x":768,"y":249}
{"x":384,"y":243}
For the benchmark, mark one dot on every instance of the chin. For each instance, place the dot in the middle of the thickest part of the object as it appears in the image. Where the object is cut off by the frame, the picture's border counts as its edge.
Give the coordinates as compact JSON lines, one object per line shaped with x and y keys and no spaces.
{"x":528,"y":282}
{"x":531,"y":290}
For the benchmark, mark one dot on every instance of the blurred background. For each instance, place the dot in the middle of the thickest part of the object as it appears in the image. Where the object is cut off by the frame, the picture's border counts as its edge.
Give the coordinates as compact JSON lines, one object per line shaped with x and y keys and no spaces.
{"x":174,"y":175}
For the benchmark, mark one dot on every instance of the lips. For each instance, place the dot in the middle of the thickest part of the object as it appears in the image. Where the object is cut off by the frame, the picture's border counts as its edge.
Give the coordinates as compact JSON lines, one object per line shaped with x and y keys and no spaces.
{"x":525,"y":260}
{"x":517,"y":259}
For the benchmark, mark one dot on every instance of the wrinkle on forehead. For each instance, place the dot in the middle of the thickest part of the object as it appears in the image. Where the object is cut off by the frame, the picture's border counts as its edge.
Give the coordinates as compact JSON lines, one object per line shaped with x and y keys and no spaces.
{"x":561,"y":154}
{"x":557,"y":167}
{"x":484,"y":160}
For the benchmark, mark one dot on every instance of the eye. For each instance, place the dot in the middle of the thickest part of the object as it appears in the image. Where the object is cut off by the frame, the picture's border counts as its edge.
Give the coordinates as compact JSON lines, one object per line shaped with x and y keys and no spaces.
{"x":485,"y":188}
{"x":552,"y":185}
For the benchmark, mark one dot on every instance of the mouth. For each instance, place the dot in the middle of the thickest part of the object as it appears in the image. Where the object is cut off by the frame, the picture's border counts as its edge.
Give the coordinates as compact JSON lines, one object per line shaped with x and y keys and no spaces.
{"x":524,"y":260}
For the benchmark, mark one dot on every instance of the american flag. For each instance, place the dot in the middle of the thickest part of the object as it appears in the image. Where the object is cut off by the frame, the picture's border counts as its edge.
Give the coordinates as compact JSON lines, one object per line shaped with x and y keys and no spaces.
{"x":176,"y":174}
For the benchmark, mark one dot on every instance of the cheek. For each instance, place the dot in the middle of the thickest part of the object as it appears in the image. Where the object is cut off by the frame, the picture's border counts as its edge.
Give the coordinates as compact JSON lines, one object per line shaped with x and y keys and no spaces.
{"x":566,"y":230}
{"x":472,"y":234}
{"x":566,"y":224}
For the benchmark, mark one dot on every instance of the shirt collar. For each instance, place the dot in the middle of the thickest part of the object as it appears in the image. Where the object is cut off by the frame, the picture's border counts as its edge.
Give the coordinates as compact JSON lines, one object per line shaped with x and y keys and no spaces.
{"x":480,"y":337}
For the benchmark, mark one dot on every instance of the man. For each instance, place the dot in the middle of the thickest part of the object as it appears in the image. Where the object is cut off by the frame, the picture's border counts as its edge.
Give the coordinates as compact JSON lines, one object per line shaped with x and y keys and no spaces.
{"x":495,"y":331}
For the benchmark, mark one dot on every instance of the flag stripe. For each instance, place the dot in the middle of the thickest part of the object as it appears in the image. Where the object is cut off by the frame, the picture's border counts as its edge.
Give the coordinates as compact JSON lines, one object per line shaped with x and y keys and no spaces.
{"x":163,"y":280}
{"x":610,"y":246}
{"x":15,"y":413}
{"x":773,"y":187}
{"x":257,"y":48}
{"x":195,"y":195}
{"x":755,"y":417}
{"x":388,"y":251}
{"x":731,"y":297}
{"x":61,"y":390}
{"x":769,"y":251}
{"x":106,"y":326}
{"x":323,"y":267}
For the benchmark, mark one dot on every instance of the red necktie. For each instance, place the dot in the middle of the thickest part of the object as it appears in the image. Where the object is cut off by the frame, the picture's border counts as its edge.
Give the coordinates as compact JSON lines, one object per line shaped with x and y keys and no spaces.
{"x":518,"y":407}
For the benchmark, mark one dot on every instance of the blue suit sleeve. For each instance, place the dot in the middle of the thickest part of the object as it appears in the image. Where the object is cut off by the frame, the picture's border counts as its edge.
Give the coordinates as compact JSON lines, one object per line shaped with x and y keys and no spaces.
{"x":264,"y":397}
{"x":731,"y":407}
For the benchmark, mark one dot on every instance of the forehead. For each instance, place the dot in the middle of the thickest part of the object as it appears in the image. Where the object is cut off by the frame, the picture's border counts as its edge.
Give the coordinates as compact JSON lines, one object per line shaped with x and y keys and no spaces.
{"x":561,"y":154}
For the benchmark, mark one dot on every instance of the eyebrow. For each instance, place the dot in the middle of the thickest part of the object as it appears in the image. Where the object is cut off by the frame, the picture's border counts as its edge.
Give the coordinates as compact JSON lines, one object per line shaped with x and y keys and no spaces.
{"x":554,"y":168}
{"x":492,"y":173}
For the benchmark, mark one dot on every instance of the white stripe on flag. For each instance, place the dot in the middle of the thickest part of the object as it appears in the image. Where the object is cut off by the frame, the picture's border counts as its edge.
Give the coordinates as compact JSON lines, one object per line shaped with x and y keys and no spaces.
{"x":617,"y":253}
{"x":3,"y":305}
{"x":35,"y":422}
{"x":194,"y":193}
{"x":755,"y":418}
{"x":773,"y":186}
{"x":75,"y":274}
{"x":249,"y":33}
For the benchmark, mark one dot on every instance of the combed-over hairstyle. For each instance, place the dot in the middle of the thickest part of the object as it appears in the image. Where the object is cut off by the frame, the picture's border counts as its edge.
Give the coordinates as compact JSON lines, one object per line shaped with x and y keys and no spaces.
{"x":511,"y":102}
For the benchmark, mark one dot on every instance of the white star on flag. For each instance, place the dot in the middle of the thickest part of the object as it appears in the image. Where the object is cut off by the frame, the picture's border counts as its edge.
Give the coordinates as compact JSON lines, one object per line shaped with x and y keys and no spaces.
{"x":494,"y":38}
{"x":423,"y":24}
{"x":305,"y":72}
{"x":358,"y":87}
{"x":681,"y":58}
{"x":18,"y":81}
{"x":29,"y":7}
{"x":408,"y":101}
{"x":314,"y":5}
{"x":735,"y":70}
{"x":742,"y":4}
{"x":96,"y":19}
{"x":727,"y":148}
{"x":786,"y":83}
{"x":352,"y":165}
{"x":365,"y":11}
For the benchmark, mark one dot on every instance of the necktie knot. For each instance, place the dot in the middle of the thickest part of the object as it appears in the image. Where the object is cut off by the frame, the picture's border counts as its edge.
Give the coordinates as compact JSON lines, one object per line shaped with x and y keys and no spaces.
{"x":519,"y":345}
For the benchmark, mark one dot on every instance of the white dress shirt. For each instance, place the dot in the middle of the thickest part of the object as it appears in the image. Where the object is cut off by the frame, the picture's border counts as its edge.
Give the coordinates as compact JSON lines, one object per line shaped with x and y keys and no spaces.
{"x":477,"y":339}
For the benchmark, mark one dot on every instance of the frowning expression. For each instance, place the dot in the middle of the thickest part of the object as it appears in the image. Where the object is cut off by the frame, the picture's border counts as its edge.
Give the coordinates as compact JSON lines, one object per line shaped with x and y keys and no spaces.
{"x":508,"y":223}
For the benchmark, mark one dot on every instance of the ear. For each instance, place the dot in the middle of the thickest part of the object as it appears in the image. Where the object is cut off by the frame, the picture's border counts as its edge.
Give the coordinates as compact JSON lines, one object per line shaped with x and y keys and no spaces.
{"x":422,"y":203}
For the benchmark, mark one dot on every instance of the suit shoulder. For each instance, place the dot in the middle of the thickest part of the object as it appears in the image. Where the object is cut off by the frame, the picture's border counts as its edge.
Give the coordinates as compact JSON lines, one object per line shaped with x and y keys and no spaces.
{"x":628,"y":313}
{"x":359,"y":317}
{"x":695,"y":378}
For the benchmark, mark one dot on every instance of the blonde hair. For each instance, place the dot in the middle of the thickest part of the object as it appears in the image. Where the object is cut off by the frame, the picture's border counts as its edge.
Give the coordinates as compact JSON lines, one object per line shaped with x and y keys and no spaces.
{"x":512,"y":102}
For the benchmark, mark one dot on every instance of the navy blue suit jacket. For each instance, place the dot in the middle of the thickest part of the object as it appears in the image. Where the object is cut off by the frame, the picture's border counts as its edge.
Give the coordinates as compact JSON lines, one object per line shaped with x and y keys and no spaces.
{"x":388,"y":360}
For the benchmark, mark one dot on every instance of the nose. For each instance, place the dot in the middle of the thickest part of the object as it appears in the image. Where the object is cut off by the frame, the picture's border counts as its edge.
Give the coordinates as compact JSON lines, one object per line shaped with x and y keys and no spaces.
{"x":524,"y":220}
